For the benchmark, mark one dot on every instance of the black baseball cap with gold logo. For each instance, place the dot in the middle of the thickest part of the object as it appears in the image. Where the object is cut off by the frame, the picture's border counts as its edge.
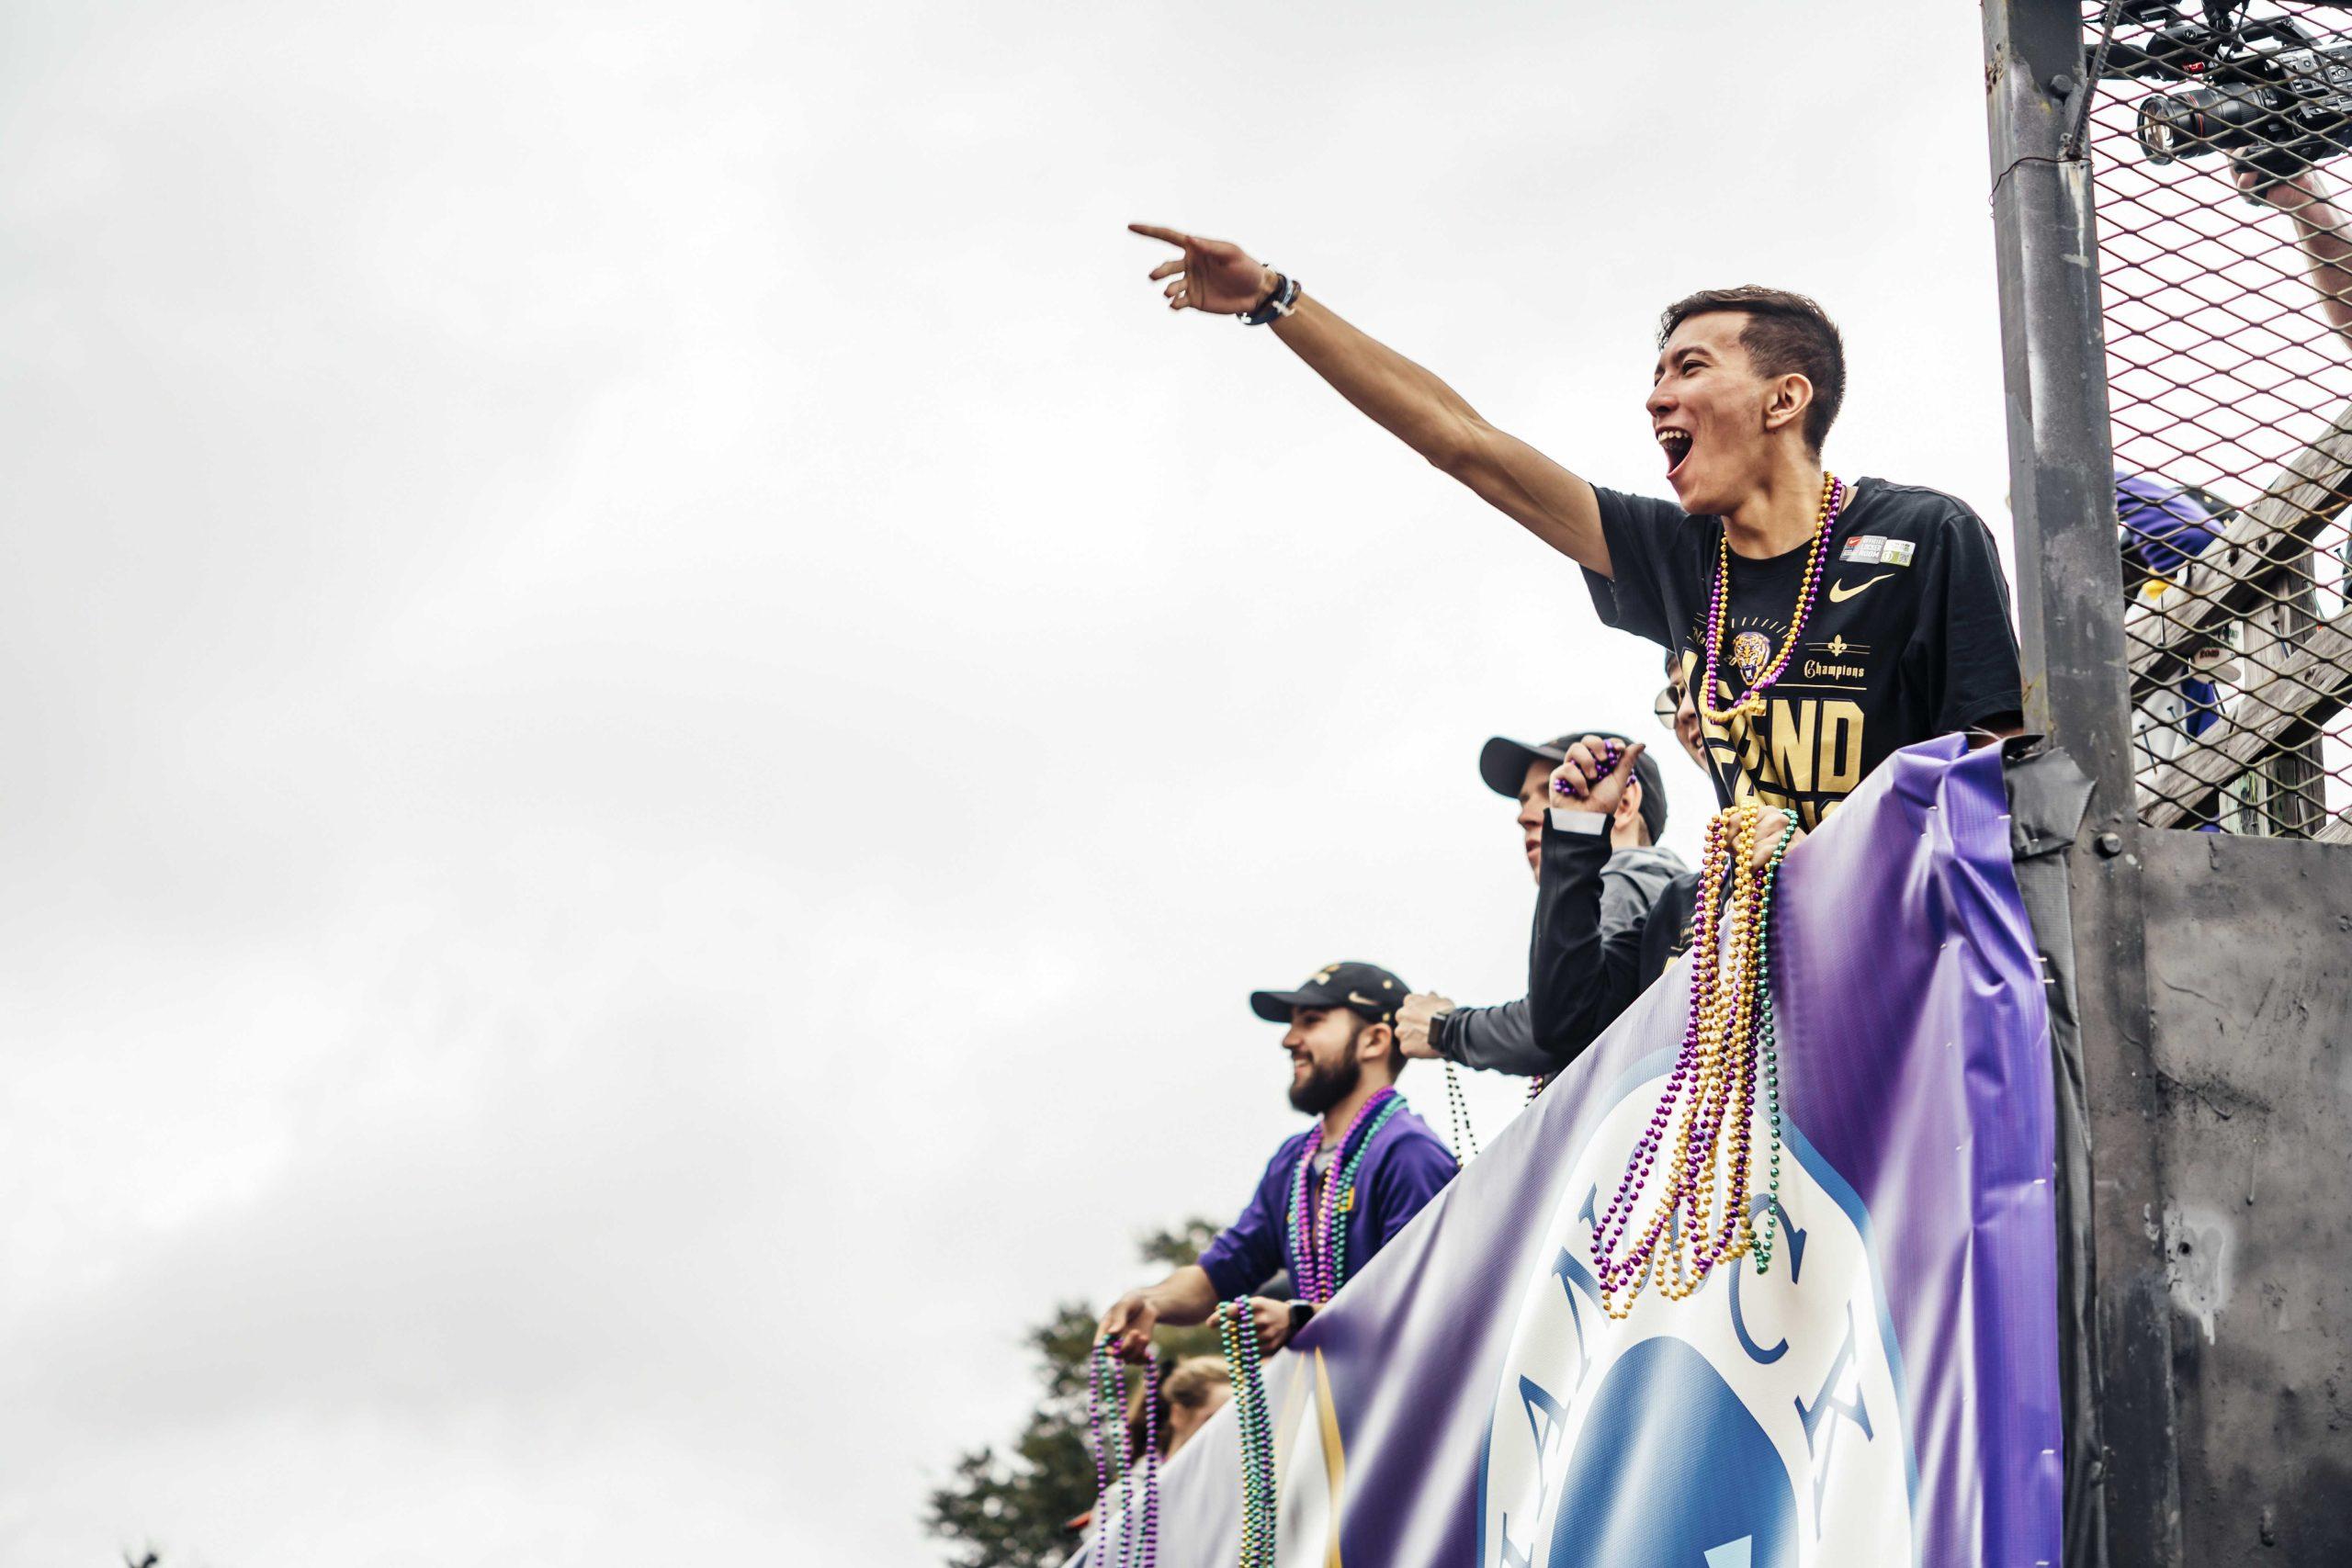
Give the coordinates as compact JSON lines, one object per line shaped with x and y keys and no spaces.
{"x":1365,"y":990}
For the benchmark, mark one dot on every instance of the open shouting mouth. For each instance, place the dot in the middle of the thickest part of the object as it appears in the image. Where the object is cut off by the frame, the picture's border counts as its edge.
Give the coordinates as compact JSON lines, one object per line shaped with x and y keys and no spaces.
{"x":1676,"y":444}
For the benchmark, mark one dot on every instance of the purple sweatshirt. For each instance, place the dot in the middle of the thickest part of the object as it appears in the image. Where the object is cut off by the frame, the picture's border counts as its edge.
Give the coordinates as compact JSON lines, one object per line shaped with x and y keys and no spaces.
{"x":1402,"y":1170}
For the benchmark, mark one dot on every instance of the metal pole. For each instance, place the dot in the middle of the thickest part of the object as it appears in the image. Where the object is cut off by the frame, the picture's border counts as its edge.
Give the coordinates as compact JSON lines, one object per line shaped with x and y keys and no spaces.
{"x":2123,"y":1496}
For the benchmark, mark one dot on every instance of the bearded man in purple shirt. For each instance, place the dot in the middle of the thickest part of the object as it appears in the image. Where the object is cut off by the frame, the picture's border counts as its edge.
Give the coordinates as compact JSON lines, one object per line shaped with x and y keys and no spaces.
{"x":1386,"y":1161}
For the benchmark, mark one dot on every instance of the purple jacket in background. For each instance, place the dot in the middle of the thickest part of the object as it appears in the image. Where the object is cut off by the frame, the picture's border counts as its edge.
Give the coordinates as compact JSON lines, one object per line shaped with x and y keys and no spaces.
{"x":1403,"y":1169}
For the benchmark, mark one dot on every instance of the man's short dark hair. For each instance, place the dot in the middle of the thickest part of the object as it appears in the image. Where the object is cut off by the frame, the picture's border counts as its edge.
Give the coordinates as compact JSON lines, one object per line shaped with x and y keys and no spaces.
{"x":1785,"y":333}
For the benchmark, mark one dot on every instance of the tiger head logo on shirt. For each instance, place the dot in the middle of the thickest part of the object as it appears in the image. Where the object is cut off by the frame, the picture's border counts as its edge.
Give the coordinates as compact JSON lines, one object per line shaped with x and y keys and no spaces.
{"x":1750,"y":652}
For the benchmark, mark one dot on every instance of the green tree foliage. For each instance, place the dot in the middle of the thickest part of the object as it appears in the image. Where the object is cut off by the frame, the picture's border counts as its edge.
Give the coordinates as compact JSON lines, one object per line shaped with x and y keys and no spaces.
{"x":1011,"y":1509}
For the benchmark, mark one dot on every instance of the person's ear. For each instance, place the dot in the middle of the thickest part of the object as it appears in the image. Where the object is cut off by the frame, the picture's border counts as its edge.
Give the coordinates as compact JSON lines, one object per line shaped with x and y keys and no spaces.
{"x":1789,"y":396}
{"x":1376,"y":1043}
{"x":1629,"y":806}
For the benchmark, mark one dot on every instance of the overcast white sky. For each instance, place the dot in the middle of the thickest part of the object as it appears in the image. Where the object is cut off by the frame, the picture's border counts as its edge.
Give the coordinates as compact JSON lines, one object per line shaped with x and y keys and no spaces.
{"x":657,"y":718}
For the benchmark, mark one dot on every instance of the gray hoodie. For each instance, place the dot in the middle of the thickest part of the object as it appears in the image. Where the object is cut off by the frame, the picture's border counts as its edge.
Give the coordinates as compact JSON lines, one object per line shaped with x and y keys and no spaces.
{"x":1500,"y":1039}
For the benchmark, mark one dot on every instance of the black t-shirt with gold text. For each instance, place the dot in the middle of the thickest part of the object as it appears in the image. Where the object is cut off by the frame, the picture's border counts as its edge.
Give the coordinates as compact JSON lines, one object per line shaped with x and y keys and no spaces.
{"x":1909,"y":637}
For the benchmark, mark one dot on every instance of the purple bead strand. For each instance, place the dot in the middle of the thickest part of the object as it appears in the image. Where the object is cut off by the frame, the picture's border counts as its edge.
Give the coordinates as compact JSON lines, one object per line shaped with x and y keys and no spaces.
{"x":1313,"y":1253}
{"x":1833,"y":502}
{"x":1138,"y":1543}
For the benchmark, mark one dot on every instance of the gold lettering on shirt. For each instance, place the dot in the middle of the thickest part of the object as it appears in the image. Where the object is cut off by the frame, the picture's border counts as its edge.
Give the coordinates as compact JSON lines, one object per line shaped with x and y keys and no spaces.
{"x":1841,"y":747}
{"x":1751,"y":745}
{"x":1808,"y":755}
{"x":1792,"y":741}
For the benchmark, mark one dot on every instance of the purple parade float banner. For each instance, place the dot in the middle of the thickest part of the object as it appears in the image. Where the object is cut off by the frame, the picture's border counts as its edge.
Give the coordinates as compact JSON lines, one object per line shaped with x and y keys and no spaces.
{"x":1887,"y":1393}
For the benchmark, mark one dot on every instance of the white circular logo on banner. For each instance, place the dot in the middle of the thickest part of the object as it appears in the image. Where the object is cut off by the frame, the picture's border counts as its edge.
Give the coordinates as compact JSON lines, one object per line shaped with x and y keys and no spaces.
{"x":1753,"y":1425}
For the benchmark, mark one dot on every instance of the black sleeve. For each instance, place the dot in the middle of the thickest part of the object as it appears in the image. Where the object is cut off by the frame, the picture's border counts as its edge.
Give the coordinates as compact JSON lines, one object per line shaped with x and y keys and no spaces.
{"x":1642,"y":534}
{"x":1963,"y":652}
{"x":1492,"y":1040}
{"x":1578,"y":982}
{"x":1669,"y":917}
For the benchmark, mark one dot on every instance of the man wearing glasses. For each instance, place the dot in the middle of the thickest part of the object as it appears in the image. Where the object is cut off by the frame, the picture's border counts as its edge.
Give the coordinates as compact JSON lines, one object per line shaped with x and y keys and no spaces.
{"x":1675,"y":710}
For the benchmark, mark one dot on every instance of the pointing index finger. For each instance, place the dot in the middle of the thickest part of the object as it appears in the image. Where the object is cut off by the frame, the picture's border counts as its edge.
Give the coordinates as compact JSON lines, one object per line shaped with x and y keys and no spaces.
{"x":1153,"y":230}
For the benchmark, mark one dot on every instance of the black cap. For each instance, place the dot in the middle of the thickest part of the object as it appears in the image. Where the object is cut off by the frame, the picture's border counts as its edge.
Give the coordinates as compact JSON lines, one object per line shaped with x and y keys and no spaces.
{"x":1503,"y":764}
{"x":1365,"y":990}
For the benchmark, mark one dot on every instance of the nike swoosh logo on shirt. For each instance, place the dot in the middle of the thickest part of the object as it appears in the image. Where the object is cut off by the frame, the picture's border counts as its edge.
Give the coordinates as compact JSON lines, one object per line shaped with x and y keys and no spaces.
{"x":1839,"y":593}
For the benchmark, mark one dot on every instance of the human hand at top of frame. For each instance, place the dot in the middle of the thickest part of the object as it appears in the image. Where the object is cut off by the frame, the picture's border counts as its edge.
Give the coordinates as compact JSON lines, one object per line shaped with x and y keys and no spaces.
{"x":1416,"y":1022}
{"x":1129,"y":1325}
{"x":1215,"y":275}
{"x":1582,"y":784}
{"x":1271,"y":1318}
{"x":2291,"y":185}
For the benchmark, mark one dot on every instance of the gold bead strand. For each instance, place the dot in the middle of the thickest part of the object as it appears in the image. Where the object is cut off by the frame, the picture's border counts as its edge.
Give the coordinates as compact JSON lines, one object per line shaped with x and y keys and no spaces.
{"x":1751,"y":702}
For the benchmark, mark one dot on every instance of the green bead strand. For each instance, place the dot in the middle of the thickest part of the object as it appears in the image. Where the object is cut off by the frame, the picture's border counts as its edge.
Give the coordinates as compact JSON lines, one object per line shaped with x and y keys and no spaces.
{"x":1768,"y":1045}
{"x":1347,"y":1178}
{"x":1238,"y":1337}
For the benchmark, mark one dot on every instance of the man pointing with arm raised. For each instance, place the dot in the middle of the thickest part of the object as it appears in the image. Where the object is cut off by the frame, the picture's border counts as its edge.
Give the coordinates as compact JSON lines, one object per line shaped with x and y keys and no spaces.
{"x":1820,"y":623}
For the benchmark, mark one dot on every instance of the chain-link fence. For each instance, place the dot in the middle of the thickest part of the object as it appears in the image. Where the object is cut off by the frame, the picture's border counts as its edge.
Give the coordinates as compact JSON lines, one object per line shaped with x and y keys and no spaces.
{"x":2225,"y":260}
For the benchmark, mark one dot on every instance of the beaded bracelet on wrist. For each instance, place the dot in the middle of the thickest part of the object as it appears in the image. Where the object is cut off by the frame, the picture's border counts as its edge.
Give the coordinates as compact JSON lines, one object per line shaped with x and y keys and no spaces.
{"x":1278,"y":304}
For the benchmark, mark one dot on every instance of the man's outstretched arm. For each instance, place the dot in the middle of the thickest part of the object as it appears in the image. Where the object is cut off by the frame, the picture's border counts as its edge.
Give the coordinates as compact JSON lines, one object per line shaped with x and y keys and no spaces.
{"x":1220,"y":279}
{"x":1184,"y":1298}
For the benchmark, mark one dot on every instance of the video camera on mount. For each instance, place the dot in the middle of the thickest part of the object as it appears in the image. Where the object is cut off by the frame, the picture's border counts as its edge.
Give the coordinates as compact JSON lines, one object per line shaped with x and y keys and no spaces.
{"x":2259,"y":90}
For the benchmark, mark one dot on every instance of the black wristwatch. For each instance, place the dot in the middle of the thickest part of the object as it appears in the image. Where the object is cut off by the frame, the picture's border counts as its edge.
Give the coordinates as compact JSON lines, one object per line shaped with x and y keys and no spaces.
{"x":1441,"y":1024}
{"x":1301,"y":1314}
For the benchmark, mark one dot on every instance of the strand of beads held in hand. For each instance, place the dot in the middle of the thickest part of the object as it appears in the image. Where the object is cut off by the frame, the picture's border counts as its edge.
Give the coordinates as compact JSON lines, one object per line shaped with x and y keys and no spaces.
{"x":1729,"y":1051}
{"x":1320,"y":1252}
{"x":1612,"y":752}
{"x":1106,"y":1413}
{"x":1238,"y":1331}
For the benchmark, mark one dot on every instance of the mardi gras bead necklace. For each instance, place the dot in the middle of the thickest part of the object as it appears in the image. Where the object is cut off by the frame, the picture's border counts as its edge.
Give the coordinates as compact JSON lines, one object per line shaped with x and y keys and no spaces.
{"x":1334,"y":1230}
{"x":1768,"y":1047}
{"x":1719,"y":1051}
{"x":1238,"y":1335}
{"x":1319,"y":1255}
{"x":1465,"y":1137}
{"x":1611,"y":750}
{"x":1833,"y":501}
{"x":1727,"y":1045}
{"x":1106,"y":1410}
